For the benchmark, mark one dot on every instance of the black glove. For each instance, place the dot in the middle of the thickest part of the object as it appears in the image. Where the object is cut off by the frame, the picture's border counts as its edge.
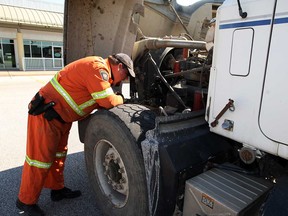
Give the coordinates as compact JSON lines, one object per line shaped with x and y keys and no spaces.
{"x":52,"y":114}
{"x":36,"y":102}
{"x":43,"y":108}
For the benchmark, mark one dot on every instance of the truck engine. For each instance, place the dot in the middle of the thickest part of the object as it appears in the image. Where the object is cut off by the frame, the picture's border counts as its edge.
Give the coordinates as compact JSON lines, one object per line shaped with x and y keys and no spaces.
{"x":174,"y":80}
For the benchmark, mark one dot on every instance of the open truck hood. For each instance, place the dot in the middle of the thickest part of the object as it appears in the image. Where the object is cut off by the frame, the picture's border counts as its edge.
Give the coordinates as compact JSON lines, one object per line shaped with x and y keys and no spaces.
{"x":99,"y":27}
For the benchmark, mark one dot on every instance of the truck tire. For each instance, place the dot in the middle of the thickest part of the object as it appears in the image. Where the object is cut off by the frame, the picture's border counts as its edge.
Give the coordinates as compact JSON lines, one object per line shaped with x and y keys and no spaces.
{"x":114,"y":160}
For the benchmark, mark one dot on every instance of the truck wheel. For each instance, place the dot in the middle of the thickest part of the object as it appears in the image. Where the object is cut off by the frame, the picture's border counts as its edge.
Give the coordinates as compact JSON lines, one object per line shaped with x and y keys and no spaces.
{"x":114,"y":160}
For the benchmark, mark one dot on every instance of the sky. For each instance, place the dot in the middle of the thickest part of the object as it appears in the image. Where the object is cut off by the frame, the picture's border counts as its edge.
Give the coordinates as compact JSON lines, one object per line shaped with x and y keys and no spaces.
{"x":53,"y":1}
{"x":186,"y":2}
{"x":50,"y":5}
{"x":21,"y":1}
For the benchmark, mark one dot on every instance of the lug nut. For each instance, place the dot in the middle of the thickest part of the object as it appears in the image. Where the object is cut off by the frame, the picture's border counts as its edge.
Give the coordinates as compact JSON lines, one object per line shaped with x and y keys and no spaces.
{"x":119,"y":187}
{"x":117,"y":160}
{"x":122,"y":180}
{"x":121,"y":170}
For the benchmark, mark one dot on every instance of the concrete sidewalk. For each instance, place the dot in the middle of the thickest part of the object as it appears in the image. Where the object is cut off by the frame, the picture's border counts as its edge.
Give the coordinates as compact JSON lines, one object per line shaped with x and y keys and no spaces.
{"x":26,"y":73}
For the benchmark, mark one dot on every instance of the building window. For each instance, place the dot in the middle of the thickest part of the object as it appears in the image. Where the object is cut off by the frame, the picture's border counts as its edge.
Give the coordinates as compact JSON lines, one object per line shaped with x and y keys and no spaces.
{"x":42,"y":49}
{"x":57,"y":52}
{"x":27,"y":49}
{"x":36,"y":49}
{"x":43,"y":55}
{"x":47,"y":49}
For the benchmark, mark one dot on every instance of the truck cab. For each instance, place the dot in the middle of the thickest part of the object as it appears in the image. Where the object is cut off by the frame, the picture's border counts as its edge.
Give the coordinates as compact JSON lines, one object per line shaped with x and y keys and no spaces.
{"x":248,"y":69}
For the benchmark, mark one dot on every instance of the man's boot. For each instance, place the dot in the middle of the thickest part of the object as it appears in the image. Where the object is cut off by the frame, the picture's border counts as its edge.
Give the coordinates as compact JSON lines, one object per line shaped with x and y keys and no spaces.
{"x":31,"y":210}
{"x":64,"y":193}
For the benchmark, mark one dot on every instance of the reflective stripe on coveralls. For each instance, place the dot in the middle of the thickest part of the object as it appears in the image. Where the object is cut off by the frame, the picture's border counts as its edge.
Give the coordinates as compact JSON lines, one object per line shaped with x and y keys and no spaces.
{"x":38,"y":164}
{"x":79,"y":109}
{"x":61,"y":154}
{"x":103,"y":94}
{"x":44,"y":165}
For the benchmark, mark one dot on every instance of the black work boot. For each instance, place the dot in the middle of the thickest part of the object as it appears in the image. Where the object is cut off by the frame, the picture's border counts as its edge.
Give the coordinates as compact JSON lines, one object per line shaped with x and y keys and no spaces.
{"x":31,"y":210}
{"x":64,"y":193}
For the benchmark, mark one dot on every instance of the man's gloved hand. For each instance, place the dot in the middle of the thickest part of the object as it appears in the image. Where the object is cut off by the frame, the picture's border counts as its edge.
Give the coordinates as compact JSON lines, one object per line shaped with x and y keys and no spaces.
{"x":120,"y":94}
{"x":35,"y":104}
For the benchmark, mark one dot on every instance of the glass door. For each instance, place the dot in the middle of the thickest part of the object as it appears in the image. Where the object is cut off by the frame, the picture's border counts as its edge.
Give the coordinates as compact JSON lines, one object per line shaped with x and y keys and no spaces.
{"x":8,"y":54}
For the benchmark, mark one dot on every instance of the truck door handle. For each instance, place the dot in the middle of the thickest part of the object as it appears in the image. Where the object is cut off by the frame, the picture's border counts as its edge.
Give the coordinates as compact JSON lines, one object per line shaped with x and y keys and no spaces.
{"x":230,"y":106}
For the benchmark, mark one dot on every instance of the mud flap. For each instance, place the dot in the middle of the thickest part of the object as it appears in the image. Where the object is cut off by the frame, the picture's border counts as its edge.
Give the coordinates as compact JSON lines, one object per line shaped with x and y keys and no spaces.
{"x":175,"y":150}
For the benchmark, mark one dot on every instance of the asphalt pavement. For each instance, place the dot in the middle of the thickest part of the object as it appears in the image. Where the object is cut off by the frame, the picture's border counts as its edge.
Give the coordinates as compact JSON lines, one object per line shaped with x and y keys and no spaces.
{"x":75,"y":178}
{"x":16,"y":89}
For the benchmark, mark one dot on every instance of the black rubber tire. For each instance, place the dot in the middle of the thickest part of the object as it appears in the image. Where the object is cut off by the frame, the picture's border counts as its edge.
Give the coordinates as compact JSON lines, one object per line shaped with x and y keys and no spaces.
{"x":124,"y":127}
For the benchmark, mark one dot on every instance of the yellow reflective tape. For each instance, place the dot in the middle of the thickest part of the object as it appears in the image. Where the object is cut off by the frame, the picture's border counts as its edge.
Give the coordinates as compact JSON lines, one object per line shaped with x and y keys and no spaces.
{"x":66,"y":96}
{"x":61,"y":154}
{"x":103,"y":94}
{"x":87,"y":104}
{"x":38,"y":164}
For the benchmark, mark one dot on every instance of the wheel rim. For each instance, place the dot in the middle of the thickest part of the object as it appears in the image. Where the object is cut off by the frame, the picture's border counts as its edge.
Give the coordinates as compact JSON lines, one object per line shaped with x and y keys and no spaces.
{"x":111,"y":173}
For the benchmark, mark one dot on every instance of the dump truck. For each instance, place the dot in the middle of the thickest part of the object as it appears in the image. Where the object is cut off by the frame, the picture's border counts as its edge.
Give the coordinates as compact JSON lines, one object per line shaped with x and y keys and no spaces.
{"x":202,"y":130}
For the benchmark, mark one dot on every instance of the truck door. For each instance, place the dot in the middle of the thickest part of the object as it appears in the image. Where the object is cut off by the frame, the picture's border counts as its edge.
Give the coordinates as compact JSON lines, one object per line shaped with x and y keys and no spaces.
{"x":274,"y":104}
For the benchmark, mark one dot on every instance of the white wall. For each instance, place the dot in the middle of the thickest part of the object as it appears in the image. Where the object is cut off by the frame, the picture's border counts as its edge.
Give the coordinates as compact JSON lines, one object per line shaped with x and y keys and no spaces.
{"x":31,"y":34}
{"x":8,"y":33}
{"x":41,"y":35}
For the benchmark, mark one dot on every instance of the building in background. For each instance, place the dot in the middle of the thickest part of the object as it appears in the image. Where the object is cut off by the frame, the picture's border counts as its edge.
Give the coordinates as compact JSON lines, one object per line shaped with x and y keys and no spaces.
{"x":31,"y":35}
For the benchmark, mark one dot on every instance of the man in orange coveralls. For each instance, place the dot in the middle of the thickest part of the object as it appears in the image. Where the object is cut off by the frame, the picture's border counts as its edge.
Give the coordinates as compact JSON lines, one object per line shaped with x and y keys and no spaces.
{"x":73,"y":93}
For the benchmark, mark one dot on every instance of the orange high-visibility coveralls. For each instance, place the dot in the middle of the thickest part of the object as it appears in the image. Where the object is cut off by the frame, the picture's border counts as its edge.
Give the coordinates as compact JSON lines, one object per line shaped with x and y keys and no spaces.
{"x":78,"y":89}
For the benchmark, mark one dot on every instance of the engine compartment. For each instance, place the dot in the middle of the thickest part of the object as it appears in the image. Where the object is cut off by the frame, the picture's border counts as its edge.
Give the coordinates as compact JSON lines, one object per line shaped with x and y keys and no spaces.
{"x":174,"y":80}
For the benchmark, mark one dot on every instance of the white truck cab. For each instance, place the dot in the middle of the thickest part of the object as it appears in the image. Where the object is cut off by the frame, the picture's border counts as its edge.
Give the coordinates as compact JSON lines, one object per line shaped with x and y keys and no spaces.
{"x":249,"y":67}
